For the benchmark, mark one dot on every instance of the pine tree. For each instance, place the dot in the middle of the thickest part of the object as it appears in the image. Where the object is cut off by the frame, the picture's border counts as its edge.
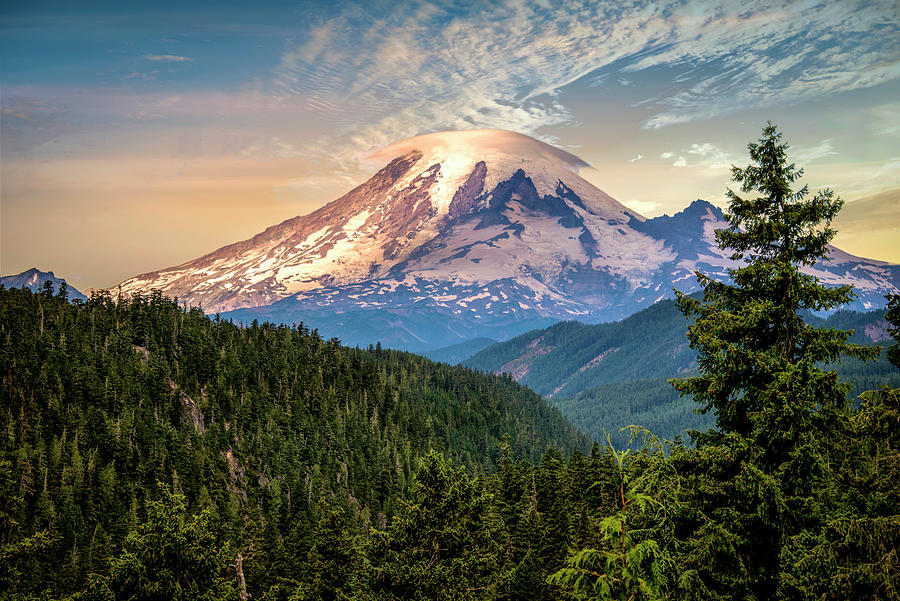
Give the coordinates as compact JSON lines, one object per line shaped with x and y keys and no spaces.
{"x":631,"y":563}
{"x":757,"y":357}
{"x":893,"y":317}
{"x":445,"y":544}
{"x":170,"y":556}
{"x":335,"y":562}
{"x":760,"y":373}
{"x":18,"y":553}
{"x":857,"y":551}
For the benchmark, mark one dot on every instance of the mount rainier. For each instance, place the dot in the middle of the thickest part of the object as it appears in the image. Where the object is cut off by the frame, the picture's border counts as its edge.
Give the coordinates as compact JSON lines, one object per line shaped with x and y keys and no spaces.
{"x":465,"y":234}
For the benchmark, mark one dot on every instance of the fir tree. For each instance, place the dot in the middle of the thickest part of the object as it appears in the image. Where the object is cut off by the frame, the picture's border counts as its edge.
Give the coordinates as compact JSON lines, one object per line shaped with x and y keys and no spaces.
{"x":335,"y":564}
{"x":171,"y":556}
{"x":444,"y":545}
{"x":631,"y":564}
{"x":777,"y":410}
{"x":893,"y":317}
{"x":757,"y":357}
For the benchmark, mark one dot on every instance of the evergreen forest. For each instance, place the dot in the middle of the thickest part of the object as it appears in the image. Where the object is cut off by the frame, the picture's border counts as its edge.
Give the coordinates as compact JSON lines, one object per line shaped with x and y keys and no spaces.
{"x":150,"y":452}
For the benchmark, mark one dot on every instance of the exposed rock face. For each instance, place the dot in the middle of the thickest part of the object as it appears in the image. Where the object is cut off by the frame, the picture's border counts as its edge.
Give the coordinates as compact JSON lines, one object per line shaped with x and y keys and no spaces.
{"x":464,"y":234}
{"x":878,"y":331}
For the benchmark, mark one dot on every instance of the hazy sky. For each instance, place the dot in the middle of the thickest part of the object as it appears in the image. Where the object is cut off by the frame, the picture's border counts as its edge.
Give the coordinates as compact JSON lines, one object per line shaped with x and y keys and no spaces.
{"x":141,"y":138}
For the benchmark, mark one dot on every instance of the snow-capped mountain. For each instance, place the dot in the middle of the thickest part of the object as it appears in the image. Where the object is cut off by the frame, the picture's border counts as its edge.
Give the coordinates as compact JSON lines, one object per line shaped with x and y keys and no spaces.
{"x":442,"y":205}
{"x":464,"y":234}
{"x":34,"y":279}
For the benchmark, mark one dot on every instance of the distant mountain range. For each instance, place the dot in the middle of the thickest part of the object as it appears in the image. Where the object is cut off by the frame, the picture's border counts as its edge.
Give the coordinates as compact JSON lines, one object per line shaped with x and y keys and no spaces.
{"x":34,"y":279}
{"x":570,"y":357}
{"x":607,"y":376}
{"x":470,"y":234}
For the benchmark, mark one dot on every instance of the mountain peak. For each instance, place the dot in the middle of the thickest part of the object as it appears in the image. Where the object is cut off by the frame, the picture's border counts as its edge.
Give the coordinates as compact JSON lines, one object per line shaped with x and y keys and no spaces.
{"x":489,"y":226}
{"x":458,"y":154}
{"x":699,"y":208}
{"x":34,"y":271}
{"x":460,"y":192}
{"x":34,"y":279}
{"x":32,"y":275}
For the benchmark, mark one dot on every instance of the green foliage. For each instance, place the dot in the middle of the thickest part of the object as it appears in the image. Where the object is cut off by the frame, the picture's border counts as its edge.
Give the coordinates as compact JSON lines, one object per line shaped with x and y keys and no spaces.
{"x":445,"y":544}
{"x":337,"y":561}
{"x":653,"y":404}
{"x":560,"y":362}
{"x":19,"y":550}
{"x":757,"y":356}
{"x":172,"y":556}
{"x":893,"y":317}
{"x":857,"y":549}
{"x":569,"y":357}
{"x":728,"y":520}
{"x":631,"y":563}
{"x":764,"y":493}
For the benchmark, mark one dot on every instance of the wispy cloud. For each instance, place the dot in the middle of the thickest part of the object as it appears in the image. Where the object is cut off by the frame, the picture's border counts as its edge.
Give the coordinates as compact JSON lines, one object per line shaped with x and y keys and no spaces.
{"x":885,"y":119}
{"x":31,"y":110}
{"x":892,"y":165}
{"x":29,"y":122}
{"x":812,"y":153}
{"x":710,"y":156}
{"x":168,"y":58}
{"x":424,"y":67}
{"x":705,"y":155}
{"x":636,"y":158}
{"x":141,"y":75}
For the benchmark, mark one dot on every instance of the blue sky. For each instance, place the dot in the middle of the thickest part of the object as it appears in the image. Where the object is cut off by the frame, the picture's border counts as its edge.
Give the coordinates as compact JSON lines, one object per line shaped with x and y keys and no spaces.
{"x":158,"y":132}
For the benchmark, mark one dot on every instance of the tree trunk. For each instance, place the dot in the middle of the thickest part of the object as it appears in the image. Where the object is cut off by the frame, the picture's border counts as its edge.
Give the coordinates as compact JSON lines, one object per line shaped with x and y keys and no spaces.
{"x":242,"y":584}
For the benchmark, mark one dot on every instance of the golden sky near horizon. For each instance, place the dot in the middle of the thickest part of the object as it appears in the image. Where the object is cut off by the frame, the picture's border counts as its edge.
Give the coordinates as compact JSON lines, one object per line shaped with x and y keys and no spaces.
{"x":136,"y":140}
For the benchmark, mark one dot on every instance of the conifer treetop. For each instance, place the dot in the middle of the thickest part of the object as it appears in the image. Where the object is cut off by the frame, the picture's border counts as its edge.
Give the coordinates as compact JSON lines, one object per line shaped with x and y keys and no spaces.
{"x":754,"y":349}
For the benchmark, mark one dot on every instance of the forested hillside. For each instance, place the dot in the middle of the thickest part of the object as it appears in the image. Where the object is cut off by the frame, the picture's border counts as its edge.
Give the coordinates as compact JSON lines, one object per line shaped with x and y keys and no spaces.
{"x":258,"y":425}
{"x":656,"y":405}
{"x":605,"y":377}
{"x":652,"y":403}
{"x":571,"y":357}
{"x":297,"y":471}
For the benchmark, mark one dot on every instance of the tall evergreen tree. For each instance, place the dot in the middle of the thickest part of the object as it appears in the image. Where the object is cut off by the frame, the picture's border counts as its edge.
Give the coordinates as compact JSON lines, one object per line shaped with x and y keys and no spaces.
{"x":171,"y":556}
{"x":444,"y":545}
{"x":757,"y":357}
{"x":335,"y":563}
{"x":630,"y":564}
{"x":776,"y":409}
